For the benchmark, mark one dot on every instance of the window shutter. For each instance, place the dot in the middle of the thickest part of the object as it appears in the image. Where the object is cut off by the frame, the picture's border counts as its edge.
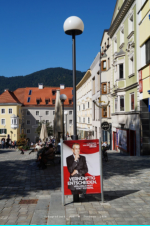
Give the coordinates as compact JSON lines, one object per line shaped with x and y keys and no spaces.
{"x":5,"y":131}
{"x":148,"y":51}
{"x":0,"y":131}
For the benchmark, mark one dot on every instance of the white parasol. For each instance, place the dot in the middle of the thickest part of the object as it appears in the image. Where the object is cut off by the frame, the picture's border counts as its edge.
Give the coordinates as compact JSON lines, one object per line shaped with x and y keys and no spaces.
{"x":43,"y":133}
{"x":58,"y":118}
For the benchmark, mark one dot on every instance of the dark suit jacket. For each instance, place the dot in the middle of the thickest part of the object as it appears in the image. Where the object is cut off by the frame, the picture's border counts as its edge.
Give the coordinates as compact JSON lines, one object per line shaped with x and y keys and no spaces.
{"x":80,"y":165}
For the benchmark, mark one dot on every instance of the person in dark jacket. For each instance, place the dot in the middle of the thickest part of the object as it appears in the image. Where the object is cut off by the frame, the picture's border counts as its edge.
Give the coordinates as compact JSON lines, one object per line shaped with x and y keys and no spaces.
{"x":77,"y":168}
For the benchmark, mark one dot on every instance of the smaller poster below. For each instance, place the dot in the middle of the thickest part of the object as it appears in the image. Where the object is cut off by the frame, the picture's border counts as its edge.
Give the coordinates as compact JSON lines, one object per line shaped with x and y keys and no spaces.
{"x":81,"y":165}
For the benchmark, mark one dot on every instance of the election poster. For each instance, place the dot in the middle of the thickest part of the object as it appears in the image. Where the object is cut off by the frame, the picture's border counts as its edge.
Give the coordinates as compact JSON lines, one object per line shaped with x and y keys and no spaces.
{"x":81,"y":167}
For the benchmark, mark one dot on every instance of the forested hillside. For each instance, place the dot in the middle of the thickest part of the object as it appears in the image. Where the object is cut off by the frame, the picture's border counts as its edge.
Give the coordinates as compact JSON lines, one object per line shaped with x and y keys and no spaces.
{"x":49,"y":77}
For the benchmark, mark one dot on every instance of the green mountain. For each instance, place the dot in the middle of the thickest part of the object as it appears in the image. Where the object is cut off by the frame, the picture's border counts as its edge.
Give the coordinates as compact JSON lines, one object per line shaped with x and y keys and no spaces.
{"x":49,"y":77}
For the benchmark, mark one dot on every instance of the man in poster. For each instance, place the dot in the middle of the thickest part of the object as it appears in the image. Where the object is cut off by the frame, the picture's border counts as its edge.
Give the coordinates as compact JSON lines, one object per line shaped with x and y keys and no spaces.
{"x":77,"y":168}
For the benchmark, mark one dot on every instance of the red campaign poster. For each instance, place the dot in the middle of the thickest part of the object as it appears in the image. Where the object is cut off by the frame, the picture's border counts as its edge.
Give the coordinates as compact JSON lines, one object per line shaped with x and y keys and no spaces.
{"x":81,"y":165}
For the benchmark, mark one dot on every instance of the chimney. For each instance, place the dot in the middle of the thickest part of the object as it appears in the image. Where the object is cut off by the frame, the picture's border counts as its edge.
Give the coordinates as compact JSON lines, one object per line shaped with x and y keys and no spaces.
{"x":40,"y":85}
{"x":62,"y":86}
{"x":6,"y":90}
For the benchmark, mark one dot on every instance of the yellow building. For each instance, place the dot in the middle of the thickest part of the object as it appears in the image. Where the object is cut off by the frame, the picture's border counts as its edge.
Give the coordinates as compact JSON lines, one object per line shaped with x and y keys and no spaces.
{"x":143,"y":62}
{"x":10,"y":116}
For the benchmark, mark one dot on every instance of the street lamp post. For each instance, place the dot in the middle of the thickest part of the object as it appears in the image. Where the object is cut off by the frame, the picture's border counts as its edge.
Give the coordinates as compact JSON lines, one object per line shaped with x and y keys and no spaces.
{"x":63,"y":97}
{"x":74,"y":26}
{"x":66,"y":113}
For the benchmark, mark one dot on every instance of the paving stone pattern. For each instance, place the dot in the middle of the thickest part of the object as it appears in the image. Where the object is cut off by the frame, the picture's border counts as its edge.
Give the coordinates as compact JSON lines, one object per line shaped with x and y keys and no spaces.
{"x":126,"y":193}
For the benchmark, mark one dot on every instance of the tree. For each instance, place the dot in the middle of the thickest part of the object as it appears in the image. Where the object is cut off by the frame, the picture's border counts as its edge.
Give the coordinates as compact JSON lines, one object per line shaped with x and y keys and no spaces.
{"x":49,"y":128}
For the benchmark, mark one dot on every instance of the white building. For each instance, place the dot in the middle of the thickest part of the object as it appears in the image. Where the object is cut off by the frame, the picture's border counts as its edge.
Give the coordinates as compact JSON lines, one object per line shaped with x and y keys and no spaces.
{"x":84,"y":107}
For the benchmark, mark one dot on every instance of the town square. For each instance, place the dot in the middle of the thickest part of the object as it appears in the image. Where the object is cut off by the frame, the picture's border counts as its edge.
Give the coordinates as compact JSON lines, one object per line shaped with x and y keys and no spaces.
{"x":75,"y":112}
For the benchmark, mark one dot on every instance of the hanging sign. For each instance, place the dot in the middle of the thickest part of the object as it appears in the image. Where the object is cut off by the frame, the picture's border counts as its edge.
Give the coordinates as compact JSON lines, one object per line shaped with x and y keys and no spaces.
{"x":105,"y":126}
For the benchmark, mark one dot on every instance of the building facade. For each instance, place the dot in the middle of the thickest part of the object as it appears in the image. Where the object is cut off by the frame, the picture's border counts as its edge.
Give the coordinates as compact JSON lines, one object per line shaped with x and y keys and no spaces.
{"x":84,"y":107}
{"x":126,"y":101}
{"x":32,"y":105}
{"x":106,"y":85}
{"x":143,"y":64}
{"x":95,"y":77}
{"x":10,"y":116}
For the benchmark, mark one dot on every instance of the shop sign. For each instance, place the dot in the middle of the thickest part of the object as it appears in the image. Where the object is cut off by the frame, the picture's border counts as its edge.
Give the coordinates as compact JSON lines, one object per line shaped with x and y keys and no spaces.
{"x":141,"y":86}
{"x":105,"y":126}
{"x":140,"y":75}
{"x":81,"y":167}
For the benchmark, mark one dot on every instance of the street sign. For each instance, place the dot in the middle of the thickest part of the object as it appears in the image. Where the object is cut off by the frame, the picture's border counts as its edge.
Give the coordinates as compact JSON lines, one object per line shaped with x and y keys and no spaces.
{"x":105,"y":126}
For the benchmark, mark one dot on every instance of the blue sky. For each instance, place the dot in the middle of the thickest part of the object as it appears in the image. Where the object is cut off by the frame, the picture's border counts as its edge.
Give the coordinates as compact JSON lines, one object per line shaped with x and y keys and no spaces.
{"x":32,"y":36}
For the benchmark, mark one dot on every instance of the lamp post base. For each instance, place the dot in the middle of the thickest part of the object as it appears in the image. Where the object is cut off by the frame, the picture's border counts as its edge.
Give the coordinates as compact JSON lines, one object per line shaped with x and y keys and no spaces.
{"x":74,"y":137}
{"x":76,"y":198}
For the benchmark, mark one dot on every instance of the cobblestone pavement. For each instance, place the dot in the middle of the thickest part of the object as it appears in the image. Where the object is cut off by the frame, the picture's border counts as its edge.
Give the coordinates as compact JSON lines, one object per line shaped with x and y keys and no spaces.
{"x":126,"y":193}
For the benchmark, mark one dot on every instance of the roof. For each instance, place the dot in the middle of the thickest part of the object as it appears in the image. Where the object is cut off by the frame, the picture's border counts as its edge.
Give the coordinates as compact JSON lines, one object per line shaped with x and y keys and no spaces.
{"x":105,"y":31}
{"x":42,"y":94}
{"x":21,"y":95}
{"x":8,"y":97}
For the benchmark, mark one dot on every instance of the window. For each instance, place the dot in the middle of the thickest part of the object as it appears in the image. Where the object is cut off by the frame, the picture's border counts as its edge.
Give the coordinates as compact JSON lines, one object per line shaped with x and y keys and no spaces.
{"x":83,"y":106}
{"x":108,"y":87}
{"x":93,"y":111}
{"x":79,"y":107}
{"x":30,"y":92}
{"x":3,"y":121}
{"x":104,"y":88}
{"x":115,"y":45}
{"x":53,"y":112}
{"x":53,"y":92}
{"x":47,"y":101}
{"x":108,"y":63}
{"x":83,"y":120}
{"x":70,"y":112}
{"x":108,"y":42}
{"x":70,"y":101}
{"x":148,"y":51}
{"x":37,"y":122}
{"x":3,"y":111}
{"x":109,"y":112}
{"x":53,"y":101}
{"x":70,"y":121}
{"x":46,"y":112}
{"x":131,"y":24}
{"x":28,"y":112}
{"x":47,"y":121}
{"x":28,"y":131}
{"x":10,"y":111}
{"x":93,"y":85}
{"x":38,"y":101}
{"x":121,"y":71}
{"x":104,"y":112}
{"x":28,"y":122}
{"x":88,"y":120}
{"x":3,"y":131}
{"x":116,"y":104}
{"x":104,"y":65}
{"x":37,"y":113}
{"x":79,"y":119}
{"x":28,"y":100}
{"x":132,"y":101}
{"x":88,"y":104}
{"x":121,"y":36}
{"x":15,"y":121}
{"x":121,"y":103}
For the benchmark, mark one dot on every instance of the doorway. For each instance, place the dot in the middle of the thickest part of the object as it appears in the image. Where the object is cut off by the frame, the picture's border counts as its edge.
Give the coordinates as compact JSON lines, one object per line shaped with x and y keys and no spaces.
{"x":115,"y":141}
{"x":132,"y":143}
